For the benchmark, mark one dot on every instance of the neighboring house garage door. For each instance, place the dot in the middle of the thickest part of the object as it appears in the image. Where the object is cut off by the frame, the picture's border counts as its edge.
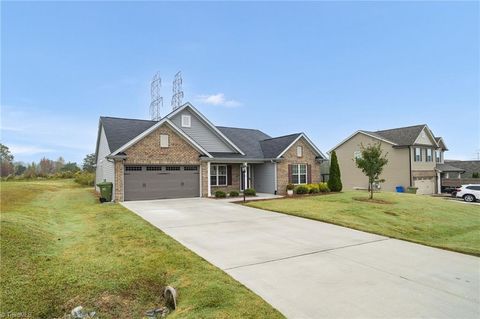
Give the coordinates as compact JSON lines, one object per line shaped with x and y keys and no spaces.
{"x":157,"y":182}
{"x":426,"y":185}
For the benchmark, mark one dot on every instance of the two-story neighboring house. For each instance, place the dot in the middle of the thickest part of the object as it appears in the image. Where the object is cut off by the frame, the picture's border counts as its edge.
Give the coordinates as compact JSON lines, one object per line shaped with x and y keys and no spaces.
{"x":415,"y":158}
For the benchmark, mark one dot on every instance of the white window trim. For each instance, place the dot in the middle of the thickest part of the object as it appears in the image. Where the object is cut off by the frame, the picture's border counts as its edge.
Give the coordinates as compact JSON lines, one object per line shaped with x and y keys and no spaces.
{"x":427,"y":156}
{"x":415,"y":154}
{"x":299,"y":174}
{"x":215,"y":167}
{"x":186,"y":121}
{"x":164,"y":141}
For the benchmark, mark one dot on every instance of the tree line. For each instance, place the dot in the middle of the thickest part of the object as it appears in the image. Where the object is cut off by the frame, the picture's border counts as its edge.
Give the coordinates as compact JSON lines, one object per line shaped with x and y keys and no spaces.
{"x":45,"y":168}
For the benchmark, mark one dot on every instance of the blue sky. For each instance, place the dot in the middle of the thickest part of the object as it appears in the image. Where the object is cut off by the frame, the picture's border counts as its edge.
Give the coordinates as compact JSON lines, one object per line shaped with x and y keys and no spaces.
{"x":327,"y":68}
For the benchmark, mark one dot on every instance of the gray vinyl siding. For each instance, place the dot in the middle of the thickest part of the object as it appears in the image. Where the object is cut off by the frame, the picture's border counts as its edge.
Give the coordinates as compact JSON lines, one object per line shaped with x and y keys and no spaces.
{"x":265,"y":178}
{"x":201,"y":133}
{"x":105,"y":170}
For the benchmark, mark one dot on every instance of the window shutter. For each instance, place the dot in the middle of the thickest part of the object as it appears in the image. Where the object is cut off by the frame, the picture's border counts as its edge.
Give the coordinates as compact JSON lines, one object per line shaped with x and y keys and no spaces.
{"x":289,"y":173}
{"x":229,"y":174}
{"x":309,"y":174}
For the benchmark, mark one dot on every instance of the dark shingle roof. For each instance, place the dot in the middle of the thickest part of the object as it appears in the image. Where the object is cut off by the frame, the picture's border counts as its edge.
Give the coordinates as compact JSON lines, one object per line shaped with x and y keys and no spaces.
{"x":274,"y":146}
{"x":448,"y":168}
{"x":248,"y":140}
{"x":402,"y":135}
{"x":469,"y":167}
{"x":120,"y":131}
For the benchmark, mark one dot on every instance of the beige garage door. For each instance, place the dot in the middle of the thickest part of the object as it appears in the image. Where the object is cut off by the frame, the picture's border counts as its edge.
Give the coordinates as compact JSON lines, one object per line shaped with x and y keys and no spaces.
{"x":426,"y":185}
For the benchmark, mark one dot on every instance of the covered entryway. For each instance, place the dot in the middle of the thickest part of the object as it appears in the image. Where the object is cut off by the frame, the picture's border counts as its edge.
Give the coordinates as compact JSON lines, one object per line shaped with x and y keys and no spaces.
{"x":143,"y":182}
{"x":425,"y":185}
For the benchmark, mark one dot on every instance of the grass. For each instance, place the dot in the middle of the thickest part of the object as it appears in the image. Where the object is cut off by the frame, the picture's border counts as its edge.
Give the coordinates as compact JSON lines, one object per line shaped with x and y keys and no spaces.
{"x":426,"y":220}
{"x":60,"y":248}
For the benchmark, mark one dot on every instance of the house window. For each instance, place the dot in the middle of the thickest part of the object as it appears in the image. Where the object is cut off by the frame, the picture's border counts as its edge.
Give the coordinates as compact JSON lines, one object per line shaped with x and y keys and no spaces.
{"x":438,"y":156}
{"x":357,"y":154}
{"x":218,"y":175}
{"x":299,"y":151}
{"x":186,"y":121}
{"x":299,"y":173}
{"x":418,"y":154}
{"x":429,"y":155}
{"x":163,"y":140}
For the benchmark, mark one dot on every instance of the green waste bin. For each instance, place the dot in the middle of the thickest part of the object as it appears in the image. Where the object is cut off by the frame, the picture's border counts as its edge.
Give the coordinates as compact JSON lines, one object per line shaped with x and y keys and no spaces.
{"x":105,"y":191}
{"x":412,"y":190}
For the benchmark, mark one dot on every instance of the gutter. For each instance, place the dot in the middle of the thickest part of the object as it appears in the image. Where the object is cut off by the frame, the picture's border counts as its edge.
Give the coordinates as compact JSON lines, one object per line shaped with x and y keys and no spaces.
{"x":237,"y":160}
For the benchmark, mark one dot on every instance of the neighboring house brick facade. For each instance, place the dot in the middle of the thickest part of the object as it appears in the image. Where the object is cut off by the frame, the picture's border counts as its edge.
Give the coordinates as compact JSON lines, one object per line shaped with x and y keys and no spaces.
{"x":185,"y":155}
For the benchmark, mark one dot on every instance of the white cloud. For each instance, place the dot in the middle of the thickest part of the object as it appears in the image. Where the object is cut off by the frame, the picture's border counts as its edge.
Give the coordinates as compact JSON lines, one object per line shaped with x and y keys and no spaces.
{"x":218,"y":99}
{"x":27,"y":149}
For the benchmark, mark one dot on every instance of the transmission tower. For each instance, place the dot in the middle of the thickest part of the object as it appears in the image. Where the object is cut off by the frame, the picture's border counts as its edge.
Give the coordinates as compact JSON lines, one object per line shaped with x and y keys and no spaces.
{"x":177,"y":95}
{"x":157,"y":100}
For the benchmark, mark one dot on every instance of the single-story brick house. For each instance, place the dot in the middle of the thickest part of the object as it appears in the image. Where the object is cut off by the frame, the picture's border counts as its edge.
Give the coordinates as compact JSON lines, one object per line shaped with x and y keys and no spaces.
{"x":185,"y":155}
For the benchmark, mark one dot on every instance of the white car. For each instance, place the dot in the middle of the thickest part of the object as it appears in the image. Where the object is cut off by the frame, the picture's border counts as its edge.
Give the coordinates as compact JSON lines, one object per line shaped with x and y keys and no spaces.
{"x":469,"y":193}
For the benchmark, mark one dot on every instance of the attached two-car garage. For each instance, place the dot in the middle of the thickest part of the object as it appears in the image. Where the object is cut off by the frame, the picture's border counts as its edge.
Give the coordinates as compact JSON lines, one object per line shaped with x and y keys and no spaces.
{"x":143,"y":182}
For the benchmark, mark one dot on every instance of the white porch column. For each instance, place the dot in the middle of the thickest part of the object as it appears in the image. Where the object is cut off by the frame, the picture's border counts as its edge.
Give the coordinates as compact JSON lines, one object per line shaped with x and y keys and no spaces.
{"x":209,"y":188}
{"x":245,"y":177}
{"x":439,"y":183}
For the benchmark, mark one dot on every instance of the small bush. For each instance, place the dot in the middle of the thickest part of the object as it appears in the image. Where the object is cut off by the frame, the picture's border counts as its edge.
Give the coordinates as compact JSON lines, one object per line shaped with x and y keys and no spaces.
{"x":302,"y":189}
{"x":313,"y":188}
{"x":84,"y":178}
{"x":250,"y":192}
{"x":290,"y":187}
{"x":234,"y":194}
{"x":220,"y":194}
{"x":323,"y":188}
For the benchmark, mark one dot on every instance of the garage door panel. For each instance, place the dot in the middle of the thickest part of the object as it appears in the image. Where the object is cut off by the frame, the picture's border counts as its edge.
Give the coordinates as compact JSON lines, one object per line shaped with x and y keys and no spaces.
{"x":174,"y":181}
{"x":425,"y":186}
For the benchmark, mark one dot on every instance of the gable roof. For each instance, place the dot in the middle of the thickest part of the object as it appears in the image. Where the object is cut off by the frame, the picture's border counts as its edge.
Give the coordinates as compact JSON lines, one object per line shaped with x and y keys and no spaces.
{"x":121,"y":133}
{"x":120,"y":130}
{"x":273,"y":147}
{"x":469,"y":167}
{"x":401,"y":136}
{"x":247,"y":139}
{"x":207,"y":122}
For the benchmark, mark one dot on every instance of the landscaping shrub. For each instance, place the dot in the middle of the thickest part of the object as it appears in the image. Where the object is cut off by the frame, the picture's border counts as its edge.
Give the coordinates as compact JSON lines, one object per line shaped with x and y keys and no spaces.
{"x":302,"y":189}
{"x":220,"y":194}
{"x":323,"y":188}
{"x":84,"y":178}
{"x":234,"y":194}
{"x":334,"y":181}
{"x":250,"y":192}
{"x":313,"y":188}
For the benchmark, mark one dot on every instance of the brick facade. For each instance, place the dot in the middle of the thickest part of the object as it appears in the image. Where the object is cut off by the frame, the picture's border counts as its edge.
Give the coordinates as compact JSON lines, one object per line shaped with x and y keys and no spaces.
{"x":148,"y":151}
{"x":235,"y":180}
{"x":290,"y":157}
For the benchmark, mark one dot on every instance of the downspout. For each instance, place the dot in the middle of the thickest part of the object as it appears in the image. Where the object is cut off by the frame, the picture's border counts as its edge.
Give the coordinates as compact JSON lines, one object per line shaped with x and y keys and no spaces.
{"x":209,"y":188}
{"x":275,"y":177}
{"x":410,"y":164}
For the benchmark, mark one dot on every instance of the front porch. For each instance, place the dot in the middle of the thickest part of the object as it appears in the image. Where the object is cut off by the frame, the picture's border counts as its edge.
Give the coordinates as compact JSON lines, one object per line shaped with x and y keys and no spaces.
{"x":234,"y":176}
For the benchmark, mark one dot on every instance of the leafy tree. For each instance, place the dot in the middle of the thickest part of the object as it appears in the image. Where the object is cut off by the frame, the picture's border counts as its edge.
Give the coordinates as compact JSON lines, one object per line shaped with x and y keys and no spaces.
{"x":371,"y":162}
{"x":31,"y":171}
{"x":19,"y":168}
{"x":70,"y":167}
{"x":475,"y":175}
{"x":46,"y":166}
{"x":59,"y":163}
{"x":6,"y":159}
{"x":334,"y":179}
{"x":89,"y":163}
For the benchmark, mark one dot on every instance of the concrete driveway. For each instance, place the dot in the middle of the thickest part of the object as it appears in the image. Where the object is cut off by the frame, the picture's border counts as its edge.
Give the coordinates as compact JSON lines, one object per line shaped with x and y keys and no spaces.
{"x":310,"y":269}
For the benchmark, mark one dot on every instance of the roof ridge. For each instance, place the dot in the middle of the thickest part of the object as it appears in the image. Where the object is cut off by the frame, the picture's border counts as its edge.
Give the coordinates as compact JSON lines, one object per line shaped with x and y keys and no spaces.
{"x":240,"y":128}
{"x":272,"y":138}
{"x":399,"y":128}
{"x":124,"y":118}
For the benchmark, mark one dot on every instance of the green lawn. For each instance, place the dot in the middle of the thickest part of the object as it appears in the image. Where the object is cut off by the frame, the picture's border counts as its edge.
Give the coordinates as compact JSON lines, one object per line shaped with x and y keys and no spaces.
{"x":60,"y":248}
{"x":427,"y":220}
